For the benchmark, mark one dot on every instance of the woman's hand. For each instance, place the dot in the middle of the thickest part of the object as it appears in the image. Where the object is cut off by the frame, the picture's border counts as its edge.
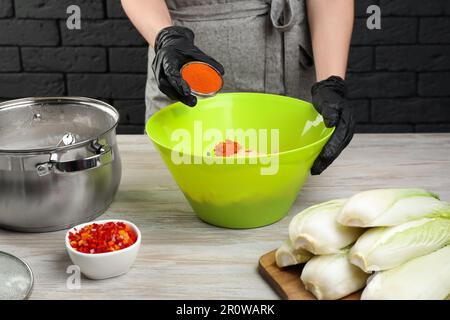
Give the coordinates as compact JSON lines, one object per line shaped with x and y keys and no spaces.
{"x":329,"y":98}
{"x":174,"y":46}
{"x":331,"y":24}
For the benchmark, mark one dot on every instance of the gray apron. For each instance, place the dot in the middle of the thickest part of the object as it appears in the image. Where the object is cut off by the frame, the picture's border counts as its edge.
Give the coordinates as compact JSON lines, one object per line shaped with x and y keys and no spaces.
{"x":264,"y":45}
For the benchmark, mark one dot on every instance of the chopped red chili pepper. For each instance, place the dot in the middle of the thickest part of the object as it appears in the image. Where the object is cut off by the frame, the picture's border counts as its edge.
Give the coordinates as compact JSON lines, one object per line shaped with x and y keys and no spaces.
{"x":101,"y":238}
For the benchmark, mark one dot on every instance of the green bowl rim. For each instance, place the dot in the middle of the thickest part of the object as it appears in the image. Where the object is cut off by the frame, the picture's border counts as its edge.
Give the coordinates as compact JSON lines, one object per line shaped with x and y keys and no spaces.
{"x":173,"y":105}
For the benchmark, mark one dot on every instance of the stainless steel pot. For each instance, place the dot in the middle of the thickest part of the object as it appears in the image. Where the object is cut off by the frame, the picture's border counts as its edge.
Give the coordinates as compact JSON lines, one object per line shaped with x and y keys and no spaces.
{"x":46,"y":185}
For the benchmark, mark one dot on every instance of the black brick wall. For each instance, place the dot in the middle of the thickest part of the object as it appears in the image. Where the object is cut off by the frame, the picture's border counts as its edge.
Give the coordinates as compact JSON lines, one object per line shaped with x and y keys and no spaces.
{"x":399,"y":76}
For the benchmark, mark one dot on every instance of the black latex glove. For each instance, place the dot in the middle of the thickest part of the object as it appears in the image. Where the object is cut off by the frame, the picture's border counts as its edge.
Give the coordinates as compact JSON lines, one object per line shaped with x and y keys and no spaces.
{"x":329,"y":98}
{"x":174,"y":46}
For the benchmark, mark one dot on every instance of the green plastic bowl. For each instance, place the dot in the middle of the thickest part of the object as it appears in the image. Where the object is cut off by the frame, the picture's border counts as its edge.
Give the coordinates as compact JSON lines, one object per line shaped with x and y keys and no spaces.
{"x":238,"y":195}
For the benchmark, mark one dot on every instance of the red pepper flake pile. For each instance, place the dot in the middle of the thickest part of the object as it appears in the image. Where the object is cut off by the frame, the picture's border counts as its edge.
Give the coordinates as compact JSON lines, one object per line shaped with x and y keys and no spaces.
{"x":101,"y":238}
{"x":227,"y":148}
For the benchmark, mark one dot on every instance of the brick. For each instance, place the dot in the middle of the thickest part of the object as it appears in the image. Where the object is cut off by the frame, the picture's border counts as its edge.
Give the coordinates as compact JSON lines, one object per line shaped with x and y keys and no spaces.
{"x":15,"y":85}
{"x":115,"y":86}
{"x":102,"y":33}
{"x":128,"y":59}
{"x":114,"y":9}
{"x":413,"y":110}
{"x":28,"y":32}
{"x":6,"y":8}
{"x":361,"y":110}
{"x":57,"y":9}
{"x":444,"y":127}
{"x":380,"y":85}
{"x":435,"y":84}
{"x":360,"y":59}
{"x":132,"y":112}
{"x":9,"y":59}
{"x":414,"y":7}
{"x":393,"y":31}
{"x":413,"y":58}
{"x":64,"y":59}
{"x":434,"y":30}
{"x":362,"y":5}
{"x":384,"y":128}
{"x":124,"y":129}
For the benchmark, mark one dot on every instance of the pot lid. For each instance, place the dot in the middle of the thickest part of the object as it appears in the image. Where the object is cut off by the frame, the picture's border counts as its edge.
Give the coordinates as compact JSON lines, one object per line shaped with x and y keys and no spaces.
{"x":40,"y":124}
{"x":16,"y":278}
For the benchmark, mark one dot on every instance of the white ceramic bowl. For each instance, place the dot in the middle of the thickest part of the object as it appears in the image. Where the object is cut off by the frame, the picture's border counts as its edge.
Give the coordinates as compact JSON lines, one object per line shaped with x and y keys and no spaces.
{"x":104,"y":265}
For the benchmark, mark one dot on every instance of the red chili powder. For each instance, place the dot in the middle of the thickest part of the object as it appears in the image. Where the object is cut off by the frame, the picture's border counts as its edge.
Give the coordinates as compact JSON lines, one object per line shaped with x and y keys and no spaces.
{"x":202,"y":78}
{"x":227,"y":148}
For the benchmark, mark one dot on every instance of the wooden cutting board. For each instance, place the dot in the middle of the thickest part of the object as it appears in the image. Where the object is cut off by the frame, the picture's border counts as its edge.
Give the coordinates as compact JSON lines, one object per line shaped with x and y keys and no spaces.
{"x":286,"y":281}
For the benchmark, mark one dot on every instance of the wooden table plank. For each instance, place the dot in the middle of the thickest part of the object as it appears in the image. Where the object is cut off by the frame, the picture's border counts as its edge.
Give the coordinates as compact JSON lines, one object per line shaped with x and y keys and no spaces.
{"x":182,"y":257}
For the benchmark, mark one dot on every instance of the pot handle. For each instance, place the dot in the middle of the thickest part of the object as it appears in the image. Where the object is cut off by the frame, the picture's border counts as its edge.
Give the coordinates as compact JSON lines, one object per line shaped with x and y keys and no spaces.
{"x":103,"y":156}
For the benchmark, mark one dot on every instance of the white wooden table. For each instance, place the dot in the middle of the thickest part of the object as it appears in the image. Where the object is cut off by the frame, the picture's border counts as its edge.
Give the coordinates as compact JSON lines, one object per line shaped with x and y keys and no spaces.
{"x":182,"y":257}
